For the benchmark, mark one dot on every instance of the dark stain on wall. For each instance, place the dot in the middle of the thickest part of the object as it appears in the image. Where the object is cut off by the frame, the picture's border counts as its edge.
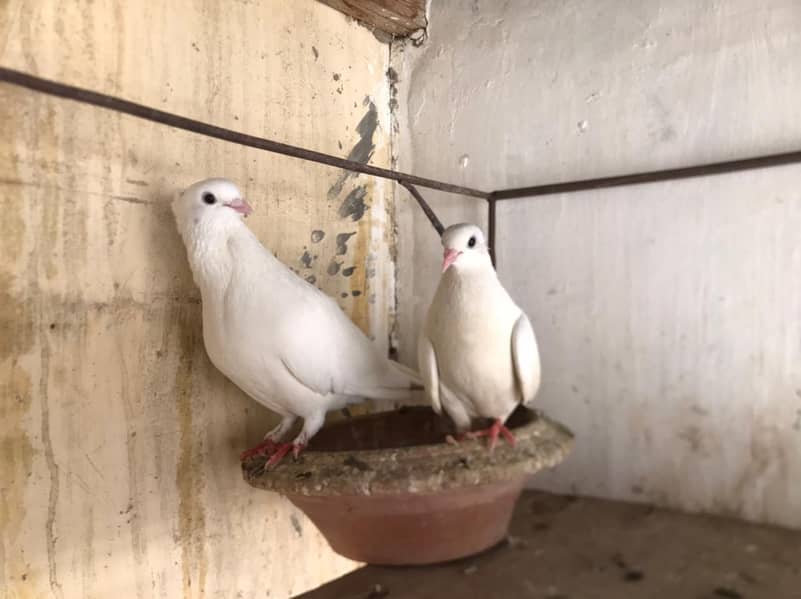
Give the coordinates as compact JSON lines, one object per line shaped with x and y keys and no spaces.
{"x":296,"y":524}
{"x":353,"y":206}
{"x":342,"y":243}
{"x":362,"y":151}
{"x":333,"y":268}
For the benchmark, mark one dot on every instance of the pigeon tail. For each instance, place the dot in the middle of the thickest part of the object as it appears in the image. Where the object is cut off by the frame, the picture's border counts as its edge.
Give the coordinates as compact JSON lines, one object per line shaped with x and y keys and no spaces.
{"x":395,"y":383}
{"x":415,"y":382}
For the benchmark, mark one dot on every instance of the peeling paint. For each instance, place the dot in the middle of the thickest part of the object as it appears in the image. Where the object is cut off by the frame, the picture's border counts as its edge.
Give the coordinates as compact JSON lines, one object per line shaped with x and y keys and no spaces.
{"x":296,"y":524}
{"x":353,"y":206}
{"x":333,"y":267}
{"x":362,"y":151}
{"x":342,"y":243}
{"x":366,"y":128}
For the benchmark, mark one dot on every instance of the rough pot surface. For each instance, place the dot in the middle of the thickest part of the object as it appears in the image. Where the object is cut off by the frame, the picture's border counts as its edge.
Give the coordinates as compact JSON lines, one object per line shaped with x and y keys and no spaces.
{"x":386,"y":489}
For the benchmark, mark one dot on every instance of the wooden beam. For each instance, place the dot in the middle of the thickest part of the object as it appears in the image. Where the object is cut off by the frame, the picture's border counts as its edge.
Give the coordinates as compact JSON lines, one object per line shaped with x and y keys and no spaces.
{"x":395,"y":17}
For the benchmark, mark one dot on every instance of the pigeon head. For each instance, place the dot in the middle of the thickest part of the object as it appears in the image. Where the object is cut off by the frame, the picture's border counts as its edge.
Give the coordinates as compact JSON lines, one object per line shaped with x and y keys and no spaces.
{"x":465,"y":247}
{"x":209,"y":201}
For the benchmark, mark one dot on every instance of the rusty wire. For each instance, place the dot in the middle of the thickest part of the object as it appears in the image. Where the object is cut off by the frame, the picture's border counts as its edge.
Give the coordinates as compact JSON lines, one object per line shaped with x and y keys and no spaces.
{"x":85,"y":96}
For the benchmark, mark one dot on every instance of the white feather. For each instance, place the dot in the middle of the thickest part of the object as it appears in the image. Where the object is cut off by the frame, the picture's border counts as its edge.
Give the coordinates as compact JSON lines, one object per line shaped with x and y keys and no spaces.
{"x":526,"y":358}
{"x":477,"y":353}
{"x":427,"y":363}
{"x":281,"y":340}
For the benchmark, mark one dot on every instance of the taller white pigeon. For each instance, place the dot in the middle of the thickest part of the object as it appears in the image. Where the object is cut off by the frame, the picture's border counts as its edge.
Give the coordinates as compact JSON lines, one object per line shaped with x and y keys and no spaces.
{"x":281,"y":340}
{"x":477,"y":353}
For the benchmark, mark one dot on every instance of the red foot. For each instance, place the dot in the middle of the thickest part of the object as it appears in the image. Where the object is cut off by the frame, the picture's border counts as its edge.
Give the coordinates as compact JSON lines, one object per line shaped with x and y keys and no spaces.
{"x":263,"y":448}
{"x":280,"y":452}
{"x":492,"y":432}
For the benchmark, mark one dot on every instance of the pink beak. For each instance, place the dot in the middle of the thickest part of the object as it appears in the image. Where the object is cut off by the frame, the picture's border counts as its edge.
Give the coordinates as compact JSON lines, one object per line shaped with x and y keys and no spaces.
{"x":450,"y":257}
{"x":240,"y":206}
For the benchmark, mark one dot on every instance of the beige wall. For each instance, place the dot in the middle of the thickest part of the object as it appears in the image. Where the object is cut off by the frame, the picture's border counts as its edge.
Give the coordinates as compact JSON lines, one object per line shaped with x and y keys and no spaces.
{"x":668,"y":315}
{"x":119,"y":473}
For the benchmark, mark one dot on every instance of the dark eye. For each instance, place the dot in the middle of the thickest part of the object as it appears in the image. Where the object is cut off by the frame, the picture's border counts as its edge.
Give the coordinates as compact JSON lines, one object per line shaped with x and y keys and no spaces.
{"x":471,"y":242}
{"x":209,"y":198}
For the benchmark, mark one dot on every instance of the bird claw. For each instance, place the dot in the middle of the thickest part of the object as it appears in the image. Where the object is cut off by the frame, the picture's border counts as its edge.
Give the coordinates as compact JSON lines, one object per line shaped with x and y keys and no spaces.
{"x":492,"y":433}
{"x":297,"y":448}
{"x":282,"y":449}
{"x":268,"y":446}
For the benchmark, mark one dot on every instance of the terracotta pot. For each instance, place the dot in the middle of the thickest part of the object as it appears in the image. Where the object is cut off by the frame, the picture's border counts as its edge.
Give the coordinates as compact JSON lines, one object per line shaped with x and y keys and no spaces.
{"x":386,"y":489}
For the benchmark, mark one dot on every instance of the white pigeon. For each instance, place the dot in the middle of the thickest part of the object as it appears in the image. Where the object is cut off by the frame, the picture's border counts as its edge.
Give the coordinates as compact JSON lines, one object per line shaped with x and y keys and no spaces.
{"x":477,"y":353}
{"x":281,"y":340}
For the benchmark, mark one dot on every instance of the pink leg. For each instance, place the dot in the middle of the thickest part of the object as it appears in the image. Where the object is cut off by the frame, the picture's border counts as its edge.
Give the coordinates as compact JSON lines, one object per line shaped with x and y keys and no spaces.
{"x":492,"y":432}
{"x":311,"y":424}
{"x":280,"y":452}
{"x":271,"y":440}
{"x":265,"y":447}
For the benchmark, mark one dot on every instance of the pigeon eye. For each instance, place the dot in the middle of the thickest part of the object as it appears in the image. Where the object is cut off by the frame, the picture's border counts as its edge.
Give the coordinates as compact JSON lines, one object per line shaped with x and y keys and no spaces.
{"x":471,"y":242}
{"x":209,"y":198}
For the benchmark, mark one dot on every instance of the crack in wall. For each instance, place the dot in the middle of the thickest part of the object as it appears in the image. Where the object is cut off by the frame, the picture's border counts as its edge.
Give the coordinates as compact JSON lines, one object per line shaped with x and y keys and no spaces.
{"x":53,"y":470}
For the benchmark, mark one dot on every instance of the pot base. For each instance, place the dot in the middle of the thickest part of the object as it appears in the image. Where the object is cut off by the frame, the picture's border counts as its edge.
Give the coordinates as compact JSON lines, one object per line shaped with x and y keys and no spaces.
{"x":412,"y":529}
{"x":386,"y":489}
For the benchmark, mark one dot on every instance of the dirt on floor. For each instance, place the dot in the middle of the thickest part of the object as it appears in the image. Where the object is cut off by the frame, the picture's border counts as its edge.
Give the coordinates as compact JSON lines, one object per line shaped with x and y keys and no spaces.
{"x":579,"y":548}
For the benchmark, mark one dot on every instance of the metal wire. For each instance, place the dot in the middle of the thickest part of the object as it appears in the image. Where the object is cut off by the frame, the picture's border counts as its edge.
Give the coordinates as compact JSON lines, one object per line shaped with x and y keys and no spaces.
{"x":432,"y":217}
{"x":77,"y":94}
{"x":491,"y":224}
{"x":85,"y":96}
{"x":671,"y":174}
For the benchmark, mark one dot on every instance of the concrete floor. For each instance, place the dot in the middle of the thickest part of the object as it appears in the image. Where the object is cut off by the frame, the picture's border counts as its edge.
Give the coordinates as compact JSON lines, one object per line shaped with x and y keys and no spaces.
{"x":577,"y":548}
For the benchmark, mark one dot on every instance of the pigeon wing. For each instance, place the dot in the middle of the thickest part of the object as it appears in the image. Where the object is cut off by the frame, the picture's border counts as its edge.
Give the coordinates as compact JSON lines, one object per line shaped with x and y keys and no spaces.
{"x":526,"y":359}
{"x":308,"y":331}
{"x":330,"y":354}
{"x":427,"y":363}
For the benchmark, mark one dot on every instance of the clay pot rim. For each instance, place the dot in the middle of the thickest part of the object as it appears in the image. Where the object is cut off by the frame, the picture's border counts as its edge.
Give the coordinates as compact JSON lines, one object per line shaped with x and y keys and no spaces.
{"x":416,"y":469}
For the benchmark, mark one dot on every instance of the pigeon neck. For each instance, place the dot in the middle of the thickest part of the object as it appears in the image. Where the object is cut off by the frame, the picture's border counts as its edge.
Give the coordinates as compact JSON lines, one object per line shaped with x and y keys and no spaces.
{"x":465,"y":277}
{"x":209,"y":254}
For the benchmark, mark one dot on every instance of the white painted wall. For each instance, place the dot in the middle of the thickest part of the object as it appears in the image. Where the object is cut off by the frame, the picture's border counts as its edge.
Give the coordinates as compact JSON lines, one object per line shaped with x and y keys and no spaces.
{"x":669,"y":315}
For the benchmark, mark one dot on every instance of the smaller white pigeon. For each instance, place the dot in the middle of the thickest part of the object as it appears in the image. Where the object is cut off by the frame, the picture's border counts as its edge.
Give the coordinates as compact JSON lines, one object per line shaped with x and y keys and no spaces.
{"x":477,"y":353}
{"x":281,"y":340}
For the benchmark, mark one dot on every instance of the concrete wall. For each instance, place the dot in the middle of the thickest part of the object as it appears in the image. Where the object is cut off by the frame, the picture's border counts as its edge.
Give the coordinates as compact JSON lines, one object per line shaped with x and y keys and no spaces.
{"x":119,"y":472}
{"x":668,"y":315}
